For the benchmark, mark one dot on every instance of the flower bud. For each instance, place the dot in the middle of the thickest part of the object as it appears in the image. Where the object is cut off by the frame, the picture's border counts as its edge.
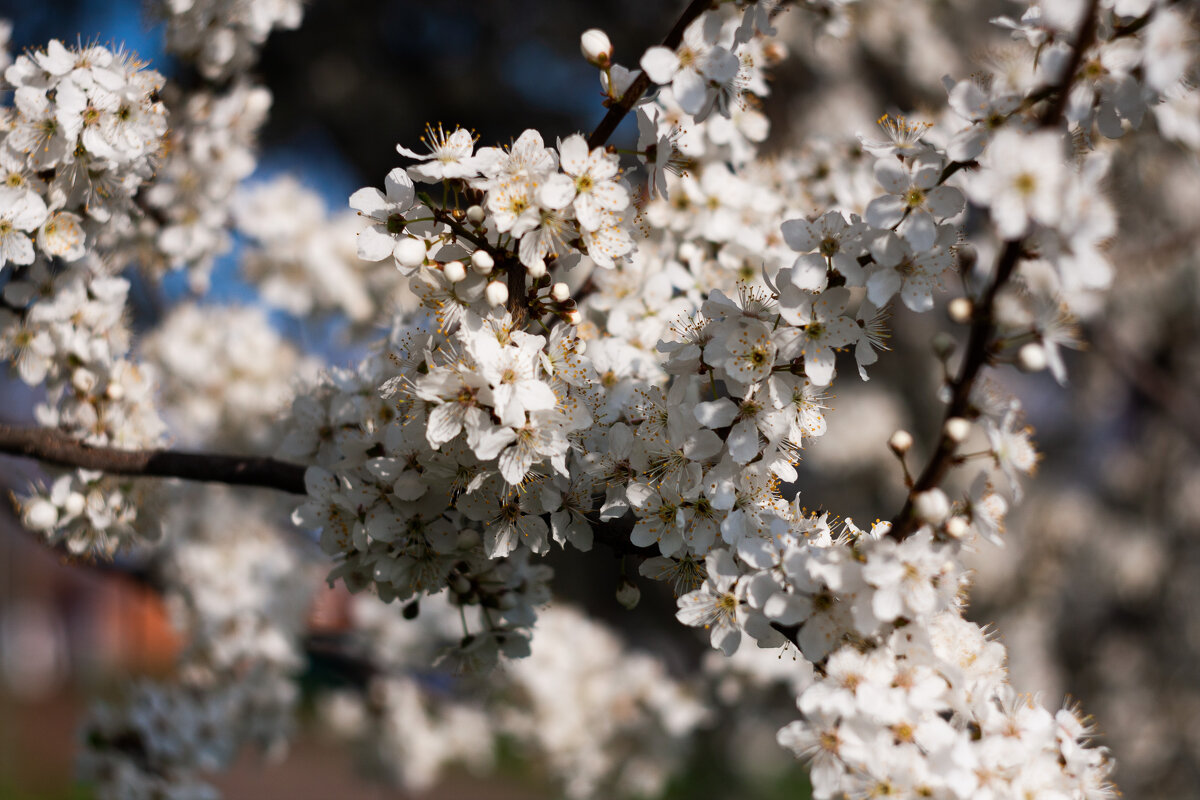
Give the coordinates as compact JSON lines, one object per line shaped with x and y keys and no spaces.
{"x":628,"y":595}
{"x":960,"y":310}
{"x":74,"y":504}
{"x":42,"y":515}
{"x":943,"y":344}
{"x":560,"y":292}
{"x":536,"y":270}
{"x":900,"y":442}
{"x":454,"y":271}
{"x":496,"y":293}
{"x":114,"y":391}
{"x":410,"y":253}
{"x":475,"y":215}
{"x":481,"y":262}
{"x":956,"y":429}
{"x":574,"y":318}
{"x":596,"y":47}
{"x":931,"y":506}
{"x":1031,"y":358}
{"x":957,"y":527}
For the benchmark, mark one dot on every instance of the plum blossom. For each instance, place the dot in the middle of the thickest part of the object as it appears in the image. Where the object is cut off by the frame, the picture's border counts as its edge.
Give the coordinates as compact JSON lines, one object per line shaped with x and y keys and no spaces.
{"x":716,"y":605}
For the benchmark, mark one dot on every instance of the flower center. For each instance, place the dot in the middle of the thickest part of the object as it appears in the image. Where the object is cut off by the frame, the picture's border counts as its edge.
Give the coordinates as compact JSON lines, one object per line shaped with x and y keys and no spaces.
{"x":1025,"y":183}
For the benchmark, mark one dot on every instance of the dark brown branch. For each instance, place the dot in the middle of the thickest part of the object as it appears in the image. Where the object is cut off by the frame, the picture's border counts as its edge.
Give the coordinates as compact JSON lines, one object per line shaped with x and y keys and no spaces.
{"x":640,"y":84}
{"x":57,"y":448}
{"x":983,"y":327}
{"x":1085,"y":39}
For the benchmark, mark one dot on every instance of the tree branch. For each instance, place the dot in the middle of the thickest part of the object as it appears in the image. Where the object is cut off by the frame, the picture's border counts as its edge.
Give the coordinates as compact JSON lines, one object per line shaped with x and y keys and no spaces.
{"x":983,"y":327}
{"x":640,"y":84}
{"x":1087,"y":35}
{"x":57,"y":448}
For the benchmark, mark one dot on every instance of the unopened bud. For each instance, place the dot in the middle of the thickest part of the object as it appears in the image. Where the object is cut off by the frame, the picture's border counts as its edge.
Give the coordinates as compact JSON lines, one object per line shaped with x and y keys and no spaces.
{"x":454,"y":271}
{"x":957,"y":527}
{"x":628,"y":595}
{"x":475,"y":215}
{"x":410,"y":253}
{"x":560,"y":292}
{"x":596,"y":47}
{"x":900,"y":442}
{"x":536,"y":270}
{"x":931,"y":506}
{"x":961,"y":309}
{"x":74,"y":504}
{"x":574,"y":318}
{"x":42,"y":515}
{"x":481,"y":262}
{"x":957,"y":429}
{"x":1032,"y":358}
{"x":114,"y":391}
{"x":943,"y":344}
{"x":496,"y":293}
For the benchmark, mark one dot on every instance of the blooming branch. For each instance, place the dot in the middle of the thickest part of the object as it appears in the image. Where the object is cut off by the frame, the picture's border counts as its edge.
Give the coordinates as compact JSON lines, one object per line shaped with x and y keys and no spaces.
{"x":641,"y":83}
{"x":983,"y":324}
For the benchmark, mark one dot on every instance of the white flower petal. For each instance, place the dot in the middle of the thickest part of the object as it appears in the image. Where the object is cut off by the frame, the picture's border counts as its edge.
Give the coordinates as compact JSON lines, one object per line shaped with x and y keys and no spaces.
{"x":573,"y":154}
{"x":716,"y":413}
{"x":400,"y":190}
{"x":375,"y":243}
{"x":660,"y":64}
{"x":370,"y":201}
{"x":810,"y":273}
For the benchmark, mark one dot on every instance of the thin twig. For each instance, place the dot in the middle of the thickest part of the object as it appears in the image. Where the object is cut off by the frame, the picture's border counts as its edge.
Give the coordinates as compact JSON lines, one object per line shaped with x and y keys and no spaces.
{"x":640,"y":84}
{"x":983,"y":326}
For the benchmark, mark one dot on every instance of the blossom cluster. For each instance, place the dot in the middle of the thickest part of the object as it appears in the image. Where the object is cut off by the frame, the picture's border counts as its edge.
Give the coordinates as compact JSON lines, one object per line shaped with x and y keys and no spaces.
{"x":66,"y":330}
{"x":695,"y":429}
{"x":626,"y":733}
{"x":212,"y":141}
{"x":556,"y":374}
{"x":304,"y":261}
{"x":158,"y":738}
{"x":529,"y":204}
{"x":81,"y":138}
{"x":222,"y":37}
{"x":239,"y":592}
{"x":224,"y":375}
{"x":385,"y":491}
